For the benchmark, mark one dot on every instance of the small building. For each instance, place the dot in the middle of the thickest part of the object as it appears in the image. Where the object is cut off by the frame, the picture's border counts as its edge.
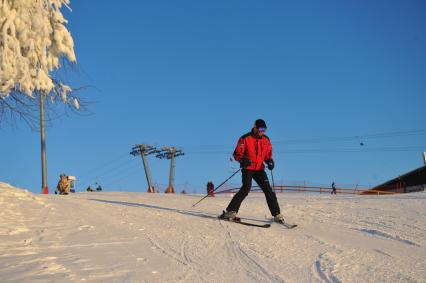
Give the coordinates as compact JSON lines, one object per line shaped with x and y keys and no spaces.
{"x":71,"y":181}
{"x":413,"y":181}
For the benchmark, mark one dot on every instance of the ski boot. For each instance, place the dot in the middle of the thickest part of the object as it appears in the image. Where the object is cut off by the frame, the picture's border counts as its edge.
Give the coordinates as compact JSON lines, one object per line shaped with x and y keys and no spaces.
{"x":279,"y":218}
{"x":228,"y":215}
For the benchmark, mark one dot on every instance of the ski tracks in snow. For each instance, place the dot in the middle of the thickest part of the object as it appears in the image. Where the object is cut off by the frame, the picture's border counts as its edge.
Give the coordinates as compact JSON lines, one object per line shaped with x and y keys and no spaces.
{"x":205,"y":258}
{"x":247,"y":262}
{"x":324,"y":268}
{"x":155,"y":238}
{"x":25,"y":243}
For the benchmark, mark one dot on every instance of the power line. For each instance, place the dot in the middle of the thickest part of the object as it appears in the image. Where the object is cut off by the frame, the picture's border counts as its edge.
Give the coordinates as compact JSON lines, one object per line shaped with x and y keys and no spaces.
{"x":113,"y":169}
{"x":354,"y":138}
{"x":122,"y":177}
{"x":118,"y":171}
{"x":110,"y":172}
{"x":103,"y":165}
{"x":355,"y":150}
{"x":363,"y":137}
{"x":324,"y":150}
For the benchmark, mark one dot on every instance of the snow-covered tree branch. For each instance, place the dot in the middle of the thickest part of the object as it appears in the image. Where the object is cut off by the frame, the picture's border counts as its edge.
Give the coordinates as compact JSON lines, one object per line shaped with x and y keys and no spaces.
{"x":33,"y":40}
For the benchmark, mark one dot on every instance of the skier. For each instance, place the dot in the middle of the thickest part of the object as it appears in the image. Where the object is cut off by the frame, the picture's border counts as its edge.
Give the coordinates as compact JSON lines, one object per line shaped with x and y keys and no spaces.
{"x":253,"y":149}
{"x":210,"y":188}
{"x":333,"y":187}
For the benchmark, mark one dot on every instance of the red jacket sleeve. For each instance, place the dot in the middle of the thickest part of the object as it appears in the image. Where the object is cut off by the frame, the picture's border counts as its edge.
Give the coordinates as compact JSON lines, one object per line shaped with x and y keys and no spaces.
{"x":240,"y":149}
{"x":269,"y":151}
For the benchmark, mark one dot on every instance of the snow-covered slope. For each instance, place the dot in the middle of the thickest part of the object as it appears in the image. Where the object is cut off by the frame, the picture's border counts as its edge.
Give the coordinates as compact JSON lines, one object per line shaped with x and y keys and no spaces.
{"x":140,"y":237}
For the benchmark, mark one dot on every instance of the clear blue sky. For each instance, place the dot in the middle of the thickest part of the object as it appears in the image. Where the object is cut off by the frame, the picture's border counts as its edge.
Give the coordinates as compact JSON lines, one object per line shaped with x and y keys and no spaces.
{"x":196,"y":74}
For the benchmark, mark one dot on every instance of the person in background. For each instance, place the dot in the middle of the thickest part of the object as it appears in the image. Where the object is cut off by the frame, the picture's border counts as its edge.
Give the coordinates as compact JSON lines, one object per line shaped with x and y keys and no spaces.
{"x":63,"y":187}
{"x":210,"y":189}
{"x":99,"y":188}
{"x":333,"y":188}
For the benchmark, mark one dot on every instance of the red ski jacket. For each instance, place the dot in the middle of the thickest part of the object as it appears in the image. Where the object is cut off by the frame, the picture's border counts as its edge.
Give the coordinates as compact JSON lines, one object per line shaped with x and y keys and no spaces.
{"x":257,"y":149}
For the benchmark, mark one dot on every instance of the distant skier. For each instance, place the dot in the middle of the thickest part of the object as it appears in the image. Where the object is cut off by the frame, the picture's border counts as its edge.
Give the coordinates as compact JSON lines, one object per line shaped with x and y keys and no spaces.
{"x":210,"y":188}
{"x":253,"y":149}
{"x":333,"y":188}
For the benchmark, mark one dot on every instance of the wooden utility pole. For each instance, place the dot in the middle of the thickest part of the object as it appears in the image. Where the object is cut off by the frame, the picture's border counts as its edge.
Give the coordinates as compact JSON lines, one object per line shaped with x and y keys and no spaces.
{"x":44,"y":187}
{"x":170,"y":153}
{"x":143,"y":150}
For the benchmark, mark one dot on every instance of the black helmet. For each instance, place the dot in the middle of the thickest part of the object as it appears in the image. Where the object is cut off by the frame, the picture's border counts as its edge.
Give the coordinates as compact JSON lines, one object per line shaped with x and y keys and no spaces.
{"x":260,"y":123}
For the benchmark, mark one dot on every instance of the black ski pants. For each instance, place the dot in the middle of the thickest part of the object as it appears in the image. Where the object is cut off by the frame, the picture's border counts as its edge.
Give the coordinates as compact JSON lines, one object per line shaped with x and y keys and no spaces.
{"x":262,"y":180}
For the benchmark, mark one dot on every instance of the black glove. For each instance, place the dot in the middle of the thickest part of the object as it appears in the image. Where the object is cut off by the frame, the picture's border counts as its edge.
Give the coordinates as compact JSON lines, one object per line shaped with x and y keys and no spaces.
{"x":270,"y":163}
{"x":245,"y":162}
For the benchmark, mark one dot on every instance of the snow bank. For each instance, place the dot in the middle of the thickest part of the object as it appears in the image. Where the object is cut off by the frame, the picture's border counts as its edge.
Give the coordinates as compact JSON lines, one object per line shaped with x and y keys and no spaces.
{"x":140,"y":237}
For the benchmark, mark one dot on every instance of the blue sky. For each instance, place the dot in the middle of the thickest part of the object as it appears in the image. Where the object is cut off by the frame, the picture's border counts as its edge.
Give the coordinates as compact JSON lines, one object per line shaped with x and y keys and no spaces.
{"x":196,"y":74}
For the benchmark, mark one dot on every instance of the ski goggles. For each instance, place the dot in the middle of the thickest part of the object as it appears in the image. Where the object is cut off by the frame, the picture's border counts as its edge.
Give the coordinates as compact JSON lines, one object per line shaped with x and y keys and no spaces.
{"x":262,"y":130}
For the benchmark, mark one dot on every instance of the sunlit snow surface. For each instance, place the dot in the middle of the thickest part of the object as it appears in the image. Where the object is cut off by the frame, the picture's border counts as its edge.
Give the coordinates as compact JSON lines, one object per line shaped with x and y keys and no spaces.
{"x":141,"y":237}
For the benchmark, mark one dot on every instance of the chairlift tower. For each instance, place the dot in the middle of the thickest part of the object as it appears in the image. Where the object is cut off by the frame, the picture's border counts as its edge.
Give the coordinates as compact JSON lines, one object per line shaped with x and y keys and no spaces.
{"x":144,"y":150}
{"x":170,"y":152}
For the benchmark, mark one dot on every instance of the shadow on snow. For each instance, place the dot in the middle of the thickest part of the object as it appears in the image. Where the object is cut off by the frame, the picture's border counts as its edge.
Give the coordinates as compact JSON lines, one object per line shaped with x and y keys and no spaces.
{"x":180,"y":211}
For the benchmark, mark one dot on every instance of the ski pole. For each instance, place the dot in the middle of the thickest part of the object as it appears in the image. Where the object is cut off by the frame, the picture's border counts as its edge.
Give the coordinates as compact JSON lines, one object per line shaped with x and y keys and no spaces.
{"x":273,"y":183}
{"x":217,"y":187}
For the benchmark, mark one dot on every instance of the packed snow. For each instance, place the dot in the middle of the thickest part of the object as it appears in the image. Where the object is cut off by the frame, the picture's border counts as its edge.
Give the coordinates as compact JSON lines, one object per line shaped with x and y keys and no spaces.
{"x":141,"y":237}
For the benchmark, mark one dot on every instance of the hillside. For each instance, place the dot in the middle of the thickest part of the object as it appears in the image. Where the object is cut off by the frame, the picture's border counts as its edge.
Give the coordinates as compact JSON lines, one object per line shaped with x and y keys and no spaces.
{"x":141,"y":237}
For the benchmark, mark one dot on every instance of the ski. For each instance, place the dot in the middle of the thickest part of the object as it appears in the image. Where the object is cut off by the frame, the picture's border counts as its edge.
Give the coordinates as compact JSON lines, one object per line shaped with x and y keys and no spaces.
{"x":239,"y":221}
{"x":287,"y":225}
